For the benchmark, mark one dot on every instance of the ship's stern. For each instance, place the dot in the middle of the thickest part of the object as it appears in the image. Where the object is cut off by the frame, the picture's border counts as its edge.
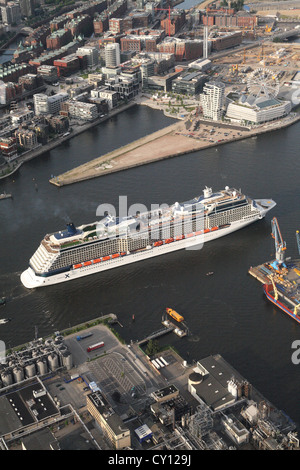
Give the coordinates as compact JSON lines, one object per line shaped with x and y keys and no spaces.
{"x":30,"y":280}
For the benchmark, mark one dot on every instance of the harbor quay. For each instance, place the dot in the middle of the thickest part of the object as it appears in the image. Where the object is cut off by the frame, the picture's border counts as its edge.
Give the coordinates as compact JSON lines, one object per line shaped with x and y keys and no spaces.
{"x":85,"y":388}
{"x":183,"y":137}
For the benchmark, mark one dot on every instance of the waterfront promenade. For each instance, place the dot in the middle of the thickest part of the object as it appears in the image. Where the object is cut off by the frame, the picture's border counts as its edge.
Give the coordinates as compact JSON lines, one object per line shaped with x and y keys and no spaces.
{"x":10,"y":169}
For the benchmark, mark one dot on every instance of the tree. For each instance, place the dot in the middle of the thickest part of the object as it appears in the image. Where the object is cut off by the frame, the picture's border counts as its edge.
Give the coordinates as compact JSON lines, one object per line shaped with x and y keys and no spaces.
{"x":152,"y":347}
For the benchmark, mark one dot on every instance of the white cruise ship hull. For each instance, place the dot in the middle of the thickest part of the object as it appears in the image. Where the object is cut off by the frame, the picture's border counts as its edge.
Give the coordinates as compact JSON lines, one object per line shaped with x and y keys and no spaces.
{"x":30,"y":280}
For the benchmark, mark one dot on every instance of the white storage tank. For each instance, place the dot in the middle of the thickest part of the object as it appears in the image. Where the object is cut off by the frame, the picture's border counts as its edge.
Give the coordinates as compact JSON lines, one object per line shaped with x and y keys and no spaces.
{"x":6,"y":378}
{"x":42,"y":367}
{"x":30,"y":370}
{"x":18,"y":374}
{"x":53,"y":361}
{"x":67,"y":360}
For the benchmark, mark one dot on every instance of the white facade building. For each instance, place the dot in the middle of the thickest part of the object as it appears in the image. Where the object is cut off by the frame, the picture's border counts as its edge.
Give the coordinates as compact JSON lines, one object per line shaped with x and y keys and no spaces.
{"x":91,"y":53}
{"x":44,"y":104}
{"x":212,"y":100}
{"x":82,"y":111}
{"x":112,"y":55}
{"x":262,"y":110}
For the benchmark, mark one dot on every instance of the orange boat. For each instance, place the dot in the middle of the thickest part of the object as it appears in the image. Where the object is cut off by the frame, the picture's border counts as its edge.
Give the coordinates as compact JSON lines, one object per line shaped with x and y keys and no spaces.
{"x":174,"y":314}
{"x":116,"y":255}
{"x":106,"y":258}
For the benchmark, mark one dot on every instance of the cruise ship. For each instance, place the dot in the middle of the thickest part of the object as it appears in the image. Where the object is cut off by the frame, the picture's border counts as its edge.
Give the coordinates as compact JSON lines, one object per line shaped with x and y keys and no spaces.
{"x":116,"y":241}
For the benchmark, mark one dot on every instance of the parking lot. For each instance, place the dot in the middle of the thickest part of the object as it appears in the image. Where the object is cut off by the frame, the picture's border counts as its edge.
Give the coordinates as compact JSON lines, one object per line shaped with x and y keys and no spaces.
{"x":100,"y":334}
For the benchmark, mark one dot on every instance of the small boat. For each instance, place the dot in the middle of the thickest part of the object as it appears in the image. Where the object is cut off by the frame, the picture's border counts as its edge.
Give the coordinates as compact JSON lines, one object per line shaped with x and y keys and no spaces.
{"x":174,"y":314}
{"x":209,"y":274}
{"x":5,"y":195}
{"x":2,"y":300}
{"x":4,"y":320}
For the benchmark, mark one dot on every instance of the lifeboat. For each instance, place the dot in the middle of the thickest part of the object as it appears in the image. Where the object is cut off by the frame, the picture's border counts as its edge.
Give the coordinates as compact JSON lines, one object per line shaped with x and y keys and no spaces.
{"x":124,"y":253}
{"x":116,"y":255}
{"x":87,"y":263}
{"x":179,"y":237}
{"x":76,"y":266}
{"x":190,"y":235}
{"x":169,"y":240}
{"x":207,"y":230}
{"x":105,"y":258}
{"x":97,"y":260}
{"x":199,"y":232}
{"x":158,"y":243}
{"x":214,"y":228}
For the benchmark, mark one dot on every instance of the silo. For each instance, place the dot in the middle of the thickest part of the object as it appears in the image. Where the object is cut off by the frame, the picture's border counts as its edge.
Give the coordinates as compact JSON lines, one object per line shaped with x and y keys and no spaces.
{"x":59,"y":339}
{"x":42,"y":366}
{"x":6,"y":378}
{"x":30,"y":370}
{"x":67,"y":360}
{"x":18,"y":373}
{"x":62,"y":348}
{"x":53,"y":361}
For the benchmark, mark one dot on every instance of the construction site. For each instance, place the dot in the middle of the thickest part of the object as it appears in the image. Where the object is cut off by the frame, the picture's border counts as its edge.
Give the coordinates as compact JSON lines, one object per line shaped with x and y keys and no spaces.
{"x":283,"y":60}
{"x":281,"y":277}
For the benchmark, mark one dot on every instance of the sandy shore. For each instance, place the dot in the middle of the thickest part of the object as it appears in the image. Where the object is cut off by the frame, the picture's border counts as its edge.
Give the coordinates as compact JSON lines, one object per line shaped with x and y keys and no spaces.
{"x":178,"y":139}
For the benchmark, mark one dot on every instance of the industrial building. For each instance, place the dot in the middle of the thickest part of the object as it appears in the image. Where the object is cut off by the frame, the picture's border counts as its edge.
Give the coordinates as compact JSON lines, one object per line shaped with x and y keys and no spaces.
{"x":25,"y":408}
{"x":110,"y":423}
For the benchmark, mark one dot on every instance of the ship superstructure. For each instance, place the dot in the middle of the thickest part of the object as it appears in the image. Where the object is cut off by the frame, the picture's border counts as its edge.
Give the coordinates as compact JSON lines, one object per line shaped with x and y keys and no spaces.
{"x":116,"y":241}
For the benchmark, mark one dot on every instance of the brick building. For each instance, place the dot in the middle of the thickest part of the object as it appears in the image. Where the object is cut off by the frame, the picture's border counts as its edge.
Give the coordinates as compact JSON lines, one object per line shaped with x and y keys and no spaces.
{"x":67,"y":65}
{"x":58,"y":38}
{"x":181,"y":48}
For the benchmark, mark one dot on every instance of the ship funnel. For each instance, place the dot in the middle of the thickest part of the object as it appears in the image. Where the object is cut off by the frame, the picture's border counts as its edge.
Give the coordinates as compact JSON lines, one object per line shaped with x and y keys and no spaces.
{"x":71,"y":228}
{"x":207,"y":192}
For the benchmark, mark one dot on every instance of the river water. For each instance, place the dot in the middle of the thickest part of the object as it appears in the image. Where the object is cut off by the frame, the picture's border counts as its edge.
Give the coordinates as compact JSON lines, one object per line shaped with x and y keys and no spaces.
{"x":226,"y":312}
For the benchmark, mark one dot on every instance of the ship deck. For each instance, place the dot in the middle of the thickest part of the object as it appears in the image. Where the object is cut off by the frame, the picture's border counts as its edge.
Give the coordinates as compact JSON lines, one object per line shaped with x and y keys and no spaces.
{"x":286,"y":279}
